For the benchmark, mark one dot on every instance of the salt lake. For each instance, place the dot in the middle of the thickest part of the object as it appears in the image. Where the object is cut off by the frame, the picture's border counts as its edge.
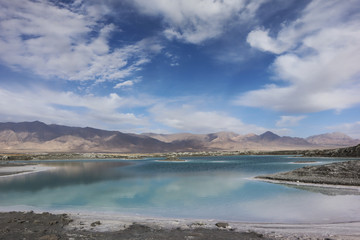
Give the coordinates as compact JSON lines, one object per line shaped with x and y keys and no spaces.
{"x":221,"y":188}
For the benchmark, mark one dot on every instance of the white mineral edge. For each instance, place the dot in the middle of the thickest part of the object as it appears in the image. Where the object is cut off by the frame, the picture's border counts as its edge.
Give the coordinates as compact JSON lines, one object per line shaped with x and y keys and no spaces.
{"x":22,"y":170}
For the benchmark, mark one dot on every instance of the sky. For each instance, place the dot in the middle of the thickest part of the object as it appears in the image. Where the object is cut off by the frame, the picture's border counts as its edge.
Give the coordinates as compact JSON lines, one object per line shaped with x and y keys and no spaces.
{"x":197,"y":66}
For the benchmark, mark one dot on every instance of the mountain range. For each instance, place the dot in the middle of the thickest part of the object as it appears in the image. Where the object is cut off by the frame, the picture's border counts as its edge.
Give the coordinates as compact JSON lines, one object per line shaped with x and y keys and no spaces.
{"x":40,"y":137}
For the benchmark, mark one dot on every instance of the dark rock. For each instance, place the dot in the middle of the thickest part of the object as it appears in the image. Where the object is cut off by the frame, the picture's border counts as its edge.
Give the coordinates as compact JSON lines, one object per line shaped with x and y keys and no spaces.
{"x":53,"y":222}
{"x":222,"y":225}
{"x":94,"y":224}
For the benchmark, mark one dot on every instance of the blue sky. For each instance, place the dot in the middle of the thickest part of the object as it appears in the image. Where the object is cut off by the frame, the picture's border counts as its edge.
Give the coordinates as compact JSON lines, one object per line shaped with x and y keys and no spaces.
{"x":199,"y":66}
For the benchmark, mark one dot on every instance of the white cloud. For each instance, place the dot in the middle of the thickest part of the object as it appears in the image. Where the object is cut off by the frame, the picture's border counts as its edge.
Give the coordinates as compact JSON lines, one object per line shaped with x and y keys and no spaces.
{"x":68,"y":42}
{"x":189,"y":119}
{"x":289,"y":121}
{"x":318,"y":64}
{"x":108,"y":112}
{"x":260,"y":39}
{"x":71,"y":109}
{"x":174,"y":60}
{"x":127,"y":84}
{"x":350,"y":129}
{"x":195,"y":21}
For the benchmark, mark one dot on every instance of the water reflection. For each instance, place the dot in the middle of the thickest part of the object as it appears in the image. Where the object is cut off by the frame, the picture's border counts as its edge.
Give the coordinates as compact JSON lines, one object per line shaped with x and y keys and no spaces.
{"x":64,"y":174}
{"x":192,"y":190}
{"x":216,"y":187}
{"x":329,"y":191}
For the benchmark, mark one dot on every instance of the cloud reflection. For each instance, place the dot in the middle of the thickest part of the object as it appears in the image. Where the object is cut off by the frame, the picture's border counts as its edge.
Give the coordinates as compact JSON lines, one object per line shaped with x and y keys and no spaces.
{"x":65,"y":174}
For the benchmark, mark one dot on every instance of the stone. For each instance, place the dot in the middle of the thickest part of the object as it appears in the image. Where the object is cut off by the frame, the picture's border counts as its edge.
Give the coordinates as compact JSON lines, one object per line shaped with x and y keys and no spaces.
{"x":222,"y":225}
{"x":53,"y":222}
{"x":94,"y":224}
{"x":49,"y":237}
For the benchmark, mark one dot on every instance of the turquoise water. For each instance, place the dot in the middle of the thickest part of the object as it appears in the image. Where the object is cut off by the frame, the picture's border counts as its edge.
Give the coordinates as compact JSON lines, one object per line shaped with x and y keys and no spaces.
{"x":204,"y":187}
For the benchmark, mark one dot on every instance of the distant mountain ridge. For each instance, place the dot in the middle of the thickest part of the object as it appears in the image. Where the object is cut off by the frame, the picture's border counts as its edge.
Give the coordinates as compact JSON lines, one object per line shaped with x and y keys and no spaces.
{"x":40,"y":137}
{"x":229,"y":141}
{"x":335,"y":139}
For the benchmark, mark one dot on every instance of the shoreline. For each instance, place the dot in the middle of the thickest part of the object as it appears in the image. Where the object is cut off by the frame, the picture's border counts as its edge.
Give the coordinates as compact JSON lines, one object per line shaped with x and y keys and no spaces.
{"x":113,"y":222}
{"x":7,"y":156}
{"x":299,"y":183}
{"x":344,"y":173}
{"x":87,"y":224}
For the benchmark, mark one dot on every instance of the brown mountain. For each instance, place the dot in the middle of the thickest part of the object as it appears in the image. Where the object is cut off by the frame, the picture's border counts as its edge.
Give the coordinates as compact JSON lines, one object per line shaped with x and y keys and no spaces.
{"x":225,"y":141}
{"x":335,"y":139}
{"x":40,"y":137}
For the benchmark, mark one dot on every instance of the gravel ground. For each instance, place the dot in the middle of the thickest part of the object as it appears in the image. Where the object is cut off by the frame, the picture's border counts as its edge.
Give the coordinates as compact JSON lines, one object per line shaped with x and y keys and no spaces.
{"x":47,"y":226}
{"x":339,"y":173}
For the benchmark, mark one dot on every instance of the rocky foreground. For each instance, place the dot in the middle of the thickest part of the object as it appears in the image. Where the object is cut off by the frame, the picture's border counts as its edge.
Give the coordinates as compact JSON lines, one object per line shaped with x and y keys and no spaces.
{"x":47,"y":226}
{"x":339,"y":173}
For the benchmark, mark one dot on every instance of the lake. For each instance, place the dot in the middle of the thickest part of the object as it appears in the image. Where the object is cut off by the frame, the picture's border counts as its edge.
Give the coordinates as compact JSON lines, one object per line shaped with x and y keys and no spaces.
{"x":219,"y":188}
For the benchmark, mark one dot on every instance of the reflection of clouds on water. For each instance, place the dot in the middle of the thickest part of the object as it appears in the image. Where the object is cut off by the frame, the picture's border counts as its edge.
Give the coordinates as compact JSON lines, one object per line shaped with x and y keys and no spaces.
{"x":132,"y":193}
{"x":191,"y":189}
{"x":330,"y":191}
{"x":108,"y":194}
{"x":194,"y":190}
{"x":69,"y":173}
{"x":193,"y":198}
{"x":172,"y":161}
{"x":305,"y":208}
